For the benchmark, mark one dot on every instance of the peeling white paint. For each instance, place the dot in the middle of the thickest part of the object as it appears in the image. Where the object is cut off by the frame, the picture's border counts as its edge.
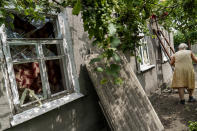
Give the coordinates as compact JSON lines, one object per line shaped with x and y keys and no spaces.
{"x":69,"y":71}
{"x":36,"y":111}
{"x":67,"y":39}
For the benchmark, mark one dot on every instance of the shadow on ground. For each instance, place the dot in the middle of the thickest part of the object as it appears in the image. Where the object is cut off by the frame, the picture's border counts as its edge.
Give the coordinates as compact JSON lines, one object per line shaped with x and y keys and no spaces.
{"x":174,"y":116}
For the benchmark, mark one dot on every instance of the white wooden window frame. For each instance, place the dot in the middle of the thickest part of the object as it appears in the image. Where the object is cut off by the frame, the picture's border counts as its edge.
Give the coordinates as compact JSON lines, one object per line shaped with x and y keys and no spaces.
{"x":68,"y":59}
{"x":143,"y":65}
{"x":41,"y":60}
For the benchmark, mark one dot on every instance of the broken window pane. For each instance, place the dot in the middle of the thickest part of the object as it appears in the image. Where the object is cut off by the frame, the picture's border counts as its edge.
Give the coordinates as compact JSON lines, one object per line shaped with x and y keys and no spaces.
{"x":24,"y":27}
{"x":55,"y":75}
{"x":19,"y":52}
{"x":51,"y":50}
{"x":28,"y":82}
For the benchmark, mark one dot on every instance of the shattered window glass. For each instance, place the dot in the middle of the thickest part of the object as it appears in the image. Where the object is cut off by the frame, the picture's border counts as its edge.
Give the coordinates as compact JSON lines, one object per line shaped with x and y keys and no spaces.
{"x":28,"y":81}
{"x":20,"y":52}
{"x":51,"y":50}
{"x":38,"y":65}
{"x":23,"y":27}
{"x":28,"y":73}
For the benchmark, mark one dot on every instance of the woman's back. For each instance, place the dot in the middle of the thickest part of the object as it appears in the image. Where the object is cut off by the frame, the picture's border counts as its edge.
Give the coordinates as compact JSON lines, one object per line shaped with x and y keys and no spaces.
{"x":184,"y":71}
{"x":183,"y":59}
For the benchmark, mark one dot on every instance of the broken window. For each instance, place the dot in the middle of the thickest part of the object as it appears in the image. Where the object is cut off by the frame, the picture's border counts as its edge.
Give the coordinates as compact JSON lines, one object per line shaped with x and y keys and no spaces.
{"x":37,"y":60}
{"x":25,"y":27}
{"x":39,"y":69}
{"x":39,"y":65}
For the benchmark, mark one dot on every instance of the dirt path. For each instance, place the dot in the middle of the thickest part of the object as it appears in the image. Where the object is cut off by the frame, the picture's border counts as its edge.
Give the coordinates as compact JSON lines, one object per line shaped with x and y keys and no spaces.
{"x":173,"y":115}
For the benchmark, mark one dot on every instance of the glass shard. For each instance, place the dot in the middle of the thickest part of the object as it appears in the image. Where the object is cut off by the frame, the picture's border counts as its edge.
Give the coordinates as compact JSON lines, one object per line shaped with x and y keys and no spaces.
{"x":51,"y":50}
{"x":21,"y":52}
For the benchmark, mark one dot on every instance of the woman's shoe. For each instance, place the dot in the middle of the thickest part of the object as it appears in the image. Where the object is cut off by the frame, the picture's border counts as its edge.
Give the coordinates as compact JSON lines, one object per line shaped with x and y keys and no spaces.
{"x":191,"y":99}
{"x":182,"y":102}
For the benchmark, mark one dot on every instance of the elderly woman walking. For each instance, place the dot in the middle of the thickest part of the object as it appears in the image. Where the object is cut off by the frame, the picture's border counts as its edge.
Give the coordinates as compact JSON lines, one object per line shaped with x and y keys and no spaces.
{"x":184,"y":76}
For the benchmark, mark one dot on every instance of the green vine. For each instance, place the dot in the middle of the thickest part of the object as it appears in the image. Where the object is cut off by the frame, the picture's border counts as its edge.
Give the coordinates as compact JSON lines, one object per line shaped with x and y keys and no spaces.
{"x":192,"y":126}
{"x":114,"y":25}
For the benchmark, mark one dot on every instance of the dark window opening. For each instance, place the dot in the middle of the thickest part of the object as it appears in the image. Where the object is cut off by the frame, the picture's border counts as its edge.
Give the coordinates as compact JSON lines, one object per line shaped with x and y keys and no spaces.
{"x":55,"y":75}
{"x":26,"y":28}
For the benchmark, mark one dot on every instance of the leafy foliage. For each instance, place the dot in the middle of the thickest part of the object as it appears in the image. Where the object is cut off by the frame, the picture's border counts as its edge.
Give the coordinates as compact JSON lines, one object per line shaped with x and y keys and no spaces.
{"x":180,"y":15}
{"x":77,"y":8}
{"x":114,"y":25}
{"x":183,"y":38}
{"x":192,"y":126}
{"x":179,"y":38}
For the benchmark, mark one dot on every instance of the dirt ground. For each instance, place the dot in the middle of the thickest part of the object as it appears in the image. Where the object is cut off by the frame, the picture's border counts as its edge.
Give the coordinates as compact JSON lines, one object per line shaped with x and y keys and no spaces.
{"x":173,"y":115}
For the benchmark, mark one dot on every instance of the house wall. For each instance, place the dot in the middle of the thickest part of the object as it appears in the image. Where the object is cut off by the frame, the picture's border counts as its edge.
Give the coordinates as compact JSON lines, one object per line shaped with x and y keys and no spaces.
{"x":167,"y":75}
{"x":194,"y":49}
{"x":158,"y":77}
{"x":148,"y":78}
{"x":166,"y":67}
{"x":83,"y":114}
{"x":4,"y":104}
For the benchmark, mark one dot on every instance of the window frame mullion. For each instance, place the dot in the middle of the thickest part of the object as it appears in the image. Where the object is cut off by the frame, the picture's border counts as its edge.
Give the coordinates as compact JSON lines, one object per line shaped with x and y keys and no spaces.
{"x":43,"y":72}
{"x":65,"y":70}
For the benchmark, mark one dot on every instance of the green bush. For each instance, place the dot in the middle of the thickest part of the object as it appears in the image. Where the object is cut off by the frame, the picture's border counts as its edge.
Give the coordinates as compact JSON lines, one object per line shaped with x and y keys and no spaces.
{"x":179,"y":38}
{"x":193,"y":126}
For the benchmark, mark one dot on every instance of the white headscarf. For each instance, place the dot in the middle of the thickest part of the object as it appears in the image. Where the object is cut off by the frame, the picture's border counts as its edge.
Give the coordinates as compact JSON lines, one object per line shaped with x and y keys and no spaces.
{"x":183,"y":46}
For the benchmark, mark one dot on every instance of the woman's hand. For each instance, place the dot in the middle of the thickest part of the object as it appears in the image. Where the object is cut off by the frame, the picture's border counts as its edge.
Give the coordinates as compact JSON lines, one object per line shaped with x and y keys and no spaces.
{"x":172,"y":61}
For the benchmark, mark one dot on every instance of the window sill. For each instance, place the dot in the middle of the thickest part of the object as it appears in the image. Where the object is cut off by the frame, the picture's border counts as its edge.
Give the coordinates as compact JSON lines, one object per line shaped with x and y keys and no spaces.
{"x":146,"y":68}
{"x":46,"y":107}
